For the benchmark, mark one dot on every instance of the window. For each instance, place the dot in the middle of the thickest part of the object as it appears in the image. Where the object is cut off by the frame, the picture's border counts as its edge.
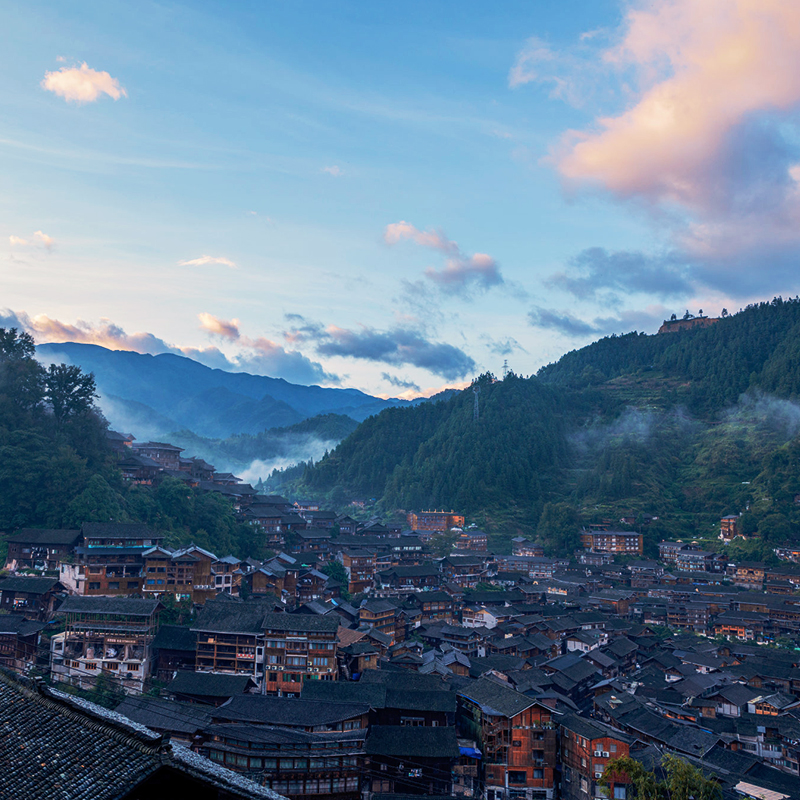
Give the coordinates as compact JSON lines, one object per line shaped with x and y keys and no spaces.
{"x":620,"y":792}
{"x":132,"y":667}
{"x":93,"y":586}
{"x":612,"y":747}
{"x":515,"y":776}
{"x":538,"y":774}
{"x":517,"y":742}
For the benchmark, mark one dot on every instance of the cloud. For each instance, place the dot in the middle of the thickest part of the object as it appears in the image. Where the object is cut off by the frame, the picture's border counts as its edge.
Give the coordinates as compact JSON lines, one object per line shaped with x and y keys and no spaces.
{"x":708,"y":136}
{"x":570,"y":72}
{"x":260,"y":356}
{"x":525,"y":68}
{"x":44,"y":239}
{"x":264,"y":356}
{"x":204,"y":260}
{"x":393,"y":380}
{"x":82,"y":84}
{"x":399,"y":346}
{"x":226,"y":329}
{"x":502,"y":347}
{"x":461,"y":273}
{"x":596,"y":269}
{"x":333,"y":170}
{"x":570,"y":325}
{"x":38,"y":238}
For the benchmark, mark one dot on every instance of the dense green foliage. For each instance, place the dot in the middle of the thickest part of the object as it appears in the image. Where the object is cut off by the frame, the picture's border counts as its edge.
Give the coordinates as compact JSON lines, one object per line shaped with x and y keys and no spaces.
{"x":52,"y":440}
{"x":438,"y":454}
{"x":58,"y":470}
{"x":670,"y":431}
{"x":678,"y":779}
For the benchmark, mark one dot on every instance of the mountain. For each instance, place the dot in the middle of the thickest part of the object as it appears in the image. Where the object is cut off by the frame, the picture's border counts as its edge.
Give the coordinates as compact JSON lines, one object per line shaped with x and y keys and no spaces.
{"x":153,"y":395}
{"x":671,"y":431}
{"x":253,"y":456}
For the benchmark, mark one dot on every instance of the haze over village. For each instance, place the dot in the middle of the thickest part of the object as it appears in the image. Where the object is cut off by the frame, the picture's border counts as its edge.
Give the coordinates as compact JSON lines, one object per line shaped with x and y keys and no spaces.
{"x":400,"y":401}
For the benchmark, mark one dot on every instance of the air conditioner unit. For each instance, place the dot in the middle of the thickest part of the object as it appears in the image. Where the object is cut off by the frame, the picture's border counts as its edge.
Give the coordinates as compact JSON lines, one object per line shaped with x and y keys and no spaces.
{"x":605,"y":754}
{"x":598,"y":775}
{"x":598,"y":753}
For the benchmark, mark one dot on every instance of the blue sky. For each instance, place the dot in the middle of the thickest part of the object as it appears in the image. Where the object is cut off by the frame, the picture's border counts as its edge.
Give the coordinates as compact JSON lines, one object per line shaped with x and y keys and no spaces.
{"x":388,"y":196}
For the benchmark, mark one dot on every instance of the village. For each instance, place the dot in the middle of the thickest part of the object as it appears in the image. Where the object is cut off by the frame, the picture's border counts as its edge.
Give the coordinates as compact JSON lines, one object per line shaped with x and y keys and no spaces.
{"x":363,"y":660}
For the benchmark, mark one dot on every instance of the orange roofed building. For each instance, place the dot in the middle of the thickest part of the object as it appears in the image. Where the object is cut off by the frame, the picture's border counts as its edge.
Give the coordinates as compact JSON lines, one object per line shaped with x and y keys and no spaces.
{"x":435,"y":521}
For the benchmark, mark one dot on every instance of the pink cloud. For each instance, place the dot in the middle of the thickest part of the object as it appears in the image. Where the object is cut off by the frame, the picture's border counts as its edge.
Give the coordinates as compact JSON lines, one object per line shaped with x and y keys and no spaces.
{"x":723,"y":59}
{"x":460,"y":272}
{"x":82,"y":84}
{"x":227,"y":329}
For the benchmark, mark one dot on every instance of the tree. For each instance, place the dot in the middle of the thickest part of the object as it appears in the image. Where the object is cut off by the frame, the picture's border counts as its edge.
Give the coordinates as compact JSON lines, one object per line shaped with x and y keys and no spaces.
{"x":681,"y":780}
{"x":336,"y":570}
{"x":558,"y":528}
{"x":98,"y":502}
{"x":21,"y":375}
{"x":69,"y":391}
{"x":442,"y":544}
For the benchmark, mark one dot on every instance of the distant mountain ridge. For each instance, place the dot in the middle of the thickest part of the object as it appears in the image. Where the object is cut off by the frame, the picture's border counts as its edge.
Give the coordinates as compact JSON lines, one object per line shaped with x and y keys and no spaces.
{"x":157,"y":394}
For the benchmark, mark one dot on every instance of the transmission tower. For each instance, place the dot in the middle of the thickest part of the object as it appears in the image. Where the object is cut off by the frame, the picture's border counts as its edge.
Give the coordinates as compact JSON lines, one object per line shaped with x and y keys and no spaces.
{"x":476,"y":390}
{"x":505,"y":367}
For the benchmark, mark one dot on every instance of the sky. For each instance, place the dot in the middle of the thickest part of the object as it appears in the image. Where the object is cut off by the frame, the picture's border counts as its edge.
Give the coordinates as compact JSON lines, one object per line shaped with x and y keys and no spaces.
{"x":393,"y":197}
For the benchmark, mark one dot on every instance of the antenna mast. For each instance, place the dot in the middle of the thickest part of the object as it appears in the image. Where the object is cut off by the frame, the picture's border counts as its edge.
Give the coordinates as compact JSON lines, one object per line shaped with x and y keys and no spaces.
{"x":476,"y":389}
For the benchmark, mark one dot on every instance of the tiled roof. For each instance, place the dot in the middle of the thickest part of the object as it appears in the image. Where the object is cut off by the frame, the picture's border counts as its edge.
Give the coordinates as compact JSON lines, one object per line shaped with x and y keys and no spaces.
{"x":27,"y":585}
{"x":37,"y":536}
{"x":63,"y":748}
{"x":232,"y":616}
{"x":287,"y":711}
{"x":305,"y":623}
{"x":118,"y":530}
{"x":165,"y":715}
{"x":175,"y":637}
{"x":208,"y":684}
{"x":496,"y":699}
{"x":17,"y":624}
{"x":129,"y":606}
{"x":345,"y":692}
{"x":407,"y":742}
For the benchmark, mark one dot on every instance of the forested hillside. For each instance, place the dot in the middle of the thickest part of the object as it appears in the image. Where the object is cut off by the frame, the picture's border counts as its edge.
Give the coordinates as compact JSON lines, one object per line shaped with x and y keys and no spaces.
{"x":438,"y":454}
{"x":682,"y":427}
{"x":303,"y":441}
{"x":57,"y":469}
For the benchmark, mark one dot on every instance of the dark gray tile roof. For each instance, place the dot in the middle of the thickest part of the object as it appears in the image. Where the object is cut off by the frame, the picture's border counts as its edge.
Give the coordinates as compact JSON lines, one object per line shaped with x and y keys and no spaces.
{"x":175,"y":637}
{"x":287,"y":711}
{"x":27,"y":584}
{"x":496,"y":699}
{"x":130,"y":606}
{"x":118,"y":530}
{"x":232,"y":616}
{"x":304,"y":623}
{"x":405,"y":742}
{"x":209,"y":684}
{"x":15,"y":623}
{"x":373,"y":694}
{"x":63,"y":748}
{"x":165,"y":715}
{"x":37,"y":536}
